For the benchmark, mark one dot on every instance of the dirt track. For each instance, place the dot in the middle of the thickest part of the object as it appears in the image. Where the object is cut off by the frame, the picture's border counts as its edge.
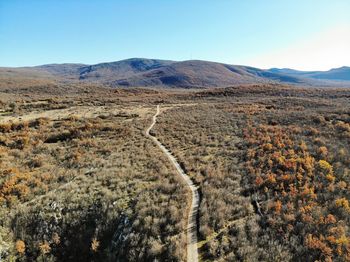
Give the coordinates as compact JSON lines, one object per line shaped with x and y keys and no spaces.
{"x":192,"y":251}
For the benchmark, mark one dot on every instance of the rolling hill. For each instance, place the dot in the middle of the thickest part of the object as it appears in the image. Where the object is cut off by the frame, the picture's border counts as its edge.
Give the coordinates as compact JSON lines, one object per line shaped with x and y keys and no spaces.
{"x":140,"y":72}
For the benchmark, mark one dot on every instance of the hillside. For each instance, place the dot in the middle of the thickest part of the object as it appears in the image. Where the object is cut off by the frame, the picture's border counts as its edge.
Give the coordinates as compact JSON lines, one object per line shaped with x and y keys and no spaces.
{"x":192,"y":74}
{"x":140,"y":72}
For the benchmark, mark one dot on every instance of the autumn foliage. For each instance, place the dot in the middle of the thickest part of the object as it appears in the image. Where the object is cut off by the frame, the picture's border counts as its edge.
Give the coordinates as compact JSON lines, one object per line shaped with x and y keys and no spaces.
{"x":20,"y":247}
{"x":299,"y":193}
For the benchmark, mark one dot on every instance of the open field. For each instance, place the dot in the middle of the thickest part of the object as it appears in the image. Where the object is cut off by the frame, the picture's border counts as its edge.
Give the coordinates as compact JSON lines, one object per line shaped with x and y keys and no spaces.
{"x":81,"y":181}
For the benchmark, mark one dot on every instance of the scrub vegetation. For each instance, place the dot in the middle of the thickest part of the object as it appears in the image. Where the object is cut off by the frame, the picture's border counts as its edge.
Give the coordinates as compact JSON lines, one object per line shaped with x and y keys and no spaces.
{"x":88,"y":189}
{"x":80,"y":180}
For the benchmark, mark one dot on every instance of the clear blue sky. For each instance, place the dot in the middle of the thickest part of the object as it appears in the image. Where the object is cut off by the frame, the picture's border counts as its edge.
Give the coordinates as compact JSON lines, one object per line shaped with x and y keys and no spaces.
{"x":34,"y":32}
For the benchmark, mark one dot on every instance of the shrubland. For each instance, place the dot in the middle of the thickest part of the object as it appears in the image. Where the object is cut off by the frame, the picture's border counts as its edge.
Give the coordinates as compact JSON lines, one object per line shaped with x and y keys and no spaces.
{"x":272,"y":169}
{"x":80,"y":181}
{"x":88,"y":189}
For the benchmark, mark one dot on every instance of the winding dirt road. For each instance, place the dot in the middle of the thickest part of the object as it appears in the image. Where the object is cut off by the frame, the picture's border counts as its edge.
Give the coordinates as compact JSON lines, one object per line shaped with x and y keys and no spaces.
{"x":192,"y":251}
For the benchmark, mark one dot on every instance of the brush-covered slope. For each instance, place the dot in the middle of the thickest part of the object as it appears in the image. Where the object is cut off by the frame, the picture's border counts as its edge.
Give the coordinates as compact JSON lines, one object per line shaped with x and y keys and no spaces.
{"x":70,"y":71}
{"x":109,"y":72}
{"x":187,"y":74}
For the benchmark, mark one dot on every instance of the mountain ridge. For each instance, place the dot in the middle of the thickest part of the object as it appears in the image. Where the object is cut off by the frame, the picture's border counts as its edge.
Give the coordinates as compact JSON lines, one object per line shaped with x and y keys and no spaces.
{"x":143,"y":72}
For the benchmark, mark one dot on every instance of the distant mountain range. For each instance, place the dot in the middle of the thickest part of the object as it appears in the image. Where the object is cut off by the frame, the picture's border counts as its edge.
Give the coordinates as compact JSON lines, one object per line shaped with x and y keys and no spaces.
{"x":338,"y":74}
{"x":140,"y":72}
